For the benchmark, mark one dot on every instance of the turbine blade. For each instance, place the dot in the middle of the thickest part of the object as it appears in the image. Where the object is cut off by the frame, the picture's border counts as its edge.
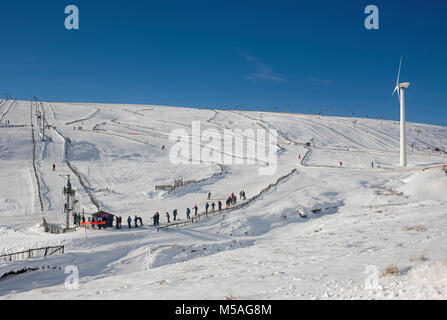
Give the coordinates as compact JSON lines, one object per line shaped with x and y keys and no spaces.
{"x":398,"y":75}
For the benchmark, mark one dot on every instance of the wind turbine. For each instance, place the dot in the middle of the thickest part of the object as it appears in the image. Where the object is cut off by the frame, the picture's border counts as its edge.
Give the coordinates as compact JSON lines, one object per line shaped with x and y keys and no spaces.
{"x":400,"y":88}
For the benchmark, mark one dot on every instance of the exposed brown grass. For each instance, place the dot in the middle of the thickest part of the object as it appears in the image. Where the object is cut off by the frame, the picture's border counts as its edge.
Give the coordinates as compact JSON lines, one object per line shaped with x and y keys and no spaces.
{"x":418,"y":228}
{"x":390,"y":270}
{"x":230,"y":297}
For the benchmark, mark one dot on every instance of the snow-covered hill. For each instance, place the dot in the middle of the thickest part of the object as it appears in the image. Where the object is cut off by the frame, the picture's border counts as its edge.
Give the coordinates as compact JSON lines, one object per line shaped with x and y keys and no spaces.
{"x":356,"y":219}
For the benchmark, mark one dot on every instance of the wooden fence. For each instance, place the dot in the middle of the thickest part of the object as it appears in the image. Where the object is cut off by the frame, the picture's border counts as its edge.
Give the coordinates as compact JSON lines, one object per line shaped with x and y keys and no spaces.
{"x":32,"y":253}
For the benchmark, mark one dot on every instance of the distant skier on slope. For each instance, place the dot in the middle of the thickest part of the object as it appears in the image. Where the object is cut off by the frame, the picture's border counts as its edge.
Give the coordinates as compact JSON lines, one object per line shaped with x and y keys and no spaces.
{"x":220,"y":205}
{"x":168,"y":217}
{"x":129,"y":221}
{"x":54,"y":167}
{"x":195,"y":210}
{"x":206,"y":207}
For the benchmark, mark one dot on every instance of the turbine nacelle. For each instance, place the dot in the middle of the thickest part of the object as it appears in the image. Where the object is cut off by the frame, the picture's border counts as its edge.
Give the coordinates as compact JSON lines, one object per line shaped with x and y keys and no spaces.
{"x":404,"y":85}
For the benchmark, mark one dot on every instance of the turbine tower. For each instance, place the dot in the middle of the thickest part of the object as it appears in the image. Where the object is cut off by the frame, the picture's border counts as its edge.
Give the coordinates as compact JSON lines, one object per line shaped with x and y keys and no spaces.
{"x":400,"y":88}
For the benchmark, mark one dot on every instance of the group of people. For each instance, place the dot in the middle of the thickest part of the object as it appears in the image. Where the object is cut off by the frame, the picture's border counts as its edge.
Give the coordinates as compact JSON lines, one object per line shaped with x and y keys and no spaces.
{"x":209,"y":207}
{"x":78,"y":220}
{"x":136,"y":219}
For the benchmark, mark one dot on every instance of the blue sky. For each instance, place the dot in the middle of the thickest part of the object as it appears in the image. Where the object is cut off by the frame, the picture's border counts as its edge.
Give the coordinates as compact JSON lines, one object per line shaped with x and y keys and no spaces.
{"x":310,"y":55}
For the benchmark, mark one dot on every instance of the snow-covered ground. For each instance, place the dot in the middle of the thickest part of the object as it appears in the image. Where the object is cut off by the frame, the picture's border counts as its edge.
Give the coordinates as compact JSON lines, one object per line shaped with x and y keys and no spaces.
{"x":379,"y":232}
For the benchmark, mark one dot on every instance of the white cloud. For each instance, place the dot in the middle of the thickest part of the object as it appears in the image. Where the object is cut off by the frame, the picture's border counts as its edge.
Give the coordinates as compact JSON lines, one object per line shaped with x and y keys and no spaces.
{"x":263,"y":71}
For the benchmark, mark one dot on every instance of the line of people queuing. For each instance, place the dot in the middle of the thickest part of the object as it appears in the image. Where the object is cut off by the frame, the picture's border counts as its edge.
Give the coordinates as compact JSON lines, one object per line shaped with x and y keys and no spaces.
{"x":232,"y":199}
{"x":101,"y":222}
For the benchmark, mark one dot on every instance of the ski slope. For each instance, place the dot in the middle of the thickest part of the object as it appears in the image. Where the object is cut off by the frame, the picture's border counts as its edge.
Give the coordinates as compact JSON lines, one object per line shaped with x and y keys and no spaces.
{"x":367,"y":218}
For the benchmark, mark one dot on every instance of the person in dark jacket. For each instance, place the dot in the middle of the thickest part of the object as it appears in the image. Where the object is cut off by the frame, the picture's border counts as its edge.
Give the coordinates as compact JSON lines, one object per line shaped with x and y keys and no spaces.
{"x":175,"y":214}
{"x":188,"y":212}
{"x":129,"y":221}
{"x":195,"y":210}
{"x":228,"y":202}
{"x":206,"y":207}
{"x":213,"y":206}
{"x":219,"y":205}
{"x":168,"y":217}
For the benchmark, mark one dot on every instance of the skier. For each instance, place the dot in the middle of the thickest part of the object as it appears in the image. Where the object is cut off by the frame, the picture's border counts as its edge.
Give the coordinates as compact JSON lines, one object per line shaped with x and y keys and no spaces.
{"x":220,"y":205}
{"x":136,"y":222}
{"x":158,"y":218}
{"x":129,"y":221}
{"x":188,"y":212}
{"x":372,"y":164}
{"x":195,"y":210}
{"x":141,"y":221}
{"x":175,"y":214}
{"x":206,"y":207}
{"x":93,"y":222}
{"x":213,"y":206}
{"x":121,"y":221}
{"x":75,"y":216}
{"x":54,"y":167}
{"x":209,"y":195}
{"x":243,"y":195}
{"x":240,"y":194}
{"x":340,"y":163}
{"x":167,"y":216}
